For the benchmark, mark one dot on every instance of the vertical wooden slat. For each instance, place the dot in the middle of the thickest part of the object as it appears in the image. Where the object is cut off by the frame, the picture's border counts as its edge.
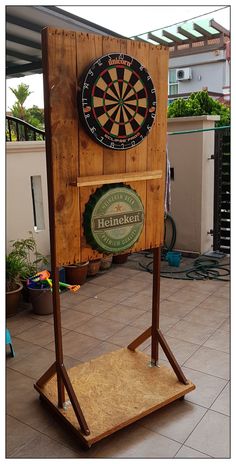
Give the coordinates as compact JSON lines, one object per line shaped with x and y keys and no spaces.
{"x":61,"y":142}
{"x":114,"y":160}
{"x":136,"y":158}
{"x":158,"y":69}
{"x":90,"y":153}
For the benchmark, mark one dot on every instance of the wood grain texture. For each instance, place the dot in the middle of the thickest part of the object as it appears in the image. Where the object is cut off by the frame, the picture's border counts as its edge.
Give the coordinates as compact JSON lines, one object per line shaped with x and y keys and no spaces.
{"x":117,"y":389}
{"x":59,"y":62}
{"x":114,"y":178}
{"x":73,"y":154}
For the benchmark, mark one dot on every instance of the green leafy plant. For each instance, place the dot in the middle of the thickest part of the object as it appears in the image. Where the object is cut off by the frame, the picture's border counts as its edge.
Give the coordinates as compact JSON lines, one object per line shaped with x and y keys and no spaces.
{"x":198,"y":104}
{"x":14,"y":267}
{"x":25,"y":250}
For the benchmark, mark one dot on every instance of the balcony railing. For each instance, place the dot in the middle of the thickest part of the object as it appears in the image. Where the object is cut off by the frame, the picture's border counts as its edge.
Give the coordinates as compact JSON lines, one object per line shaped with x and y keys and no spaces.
{"x":19,"y":130}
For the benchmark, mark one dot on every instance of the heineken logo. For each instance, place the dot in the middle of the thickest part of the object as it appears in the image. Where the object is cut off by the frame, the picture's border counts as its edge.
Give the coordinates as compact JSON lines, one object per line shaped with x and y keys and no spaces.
{"x":113,"y":218}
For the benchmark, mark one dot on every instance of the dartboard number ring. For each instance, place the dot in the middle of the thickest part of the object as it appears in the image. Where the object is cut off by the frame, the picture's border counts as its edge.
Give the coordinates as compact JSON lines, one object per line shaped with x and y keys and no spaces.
{"x":118,"y":101}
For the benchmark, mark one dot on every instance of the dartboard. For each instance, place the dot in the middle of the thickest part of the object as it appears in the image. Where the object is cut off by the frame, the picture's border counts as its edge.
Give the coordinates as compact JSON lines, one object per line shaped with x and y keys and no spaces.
{"x":118,"y":101}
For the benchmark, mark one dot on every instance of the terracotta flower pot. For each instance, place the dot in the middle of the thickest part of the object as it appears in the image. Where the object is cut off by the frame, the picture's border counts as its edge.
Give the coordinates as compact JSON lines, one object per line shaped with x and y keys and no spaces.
{"x":13,"y":300}
{"x":76,"y":273}
{"x":106,"y":262}
{"x":120,"y":259}
{"x":94,"y":266}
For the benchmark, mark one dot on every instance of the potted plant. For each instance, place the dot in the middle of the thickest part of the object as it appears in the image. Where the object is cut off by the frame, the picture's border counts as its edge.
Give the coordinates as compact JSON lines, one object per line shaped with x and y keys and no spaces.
{"x":120,"y":259}
{"x":14,"y":267}
{"x":76,"y":274}
{"x":26,"y":250}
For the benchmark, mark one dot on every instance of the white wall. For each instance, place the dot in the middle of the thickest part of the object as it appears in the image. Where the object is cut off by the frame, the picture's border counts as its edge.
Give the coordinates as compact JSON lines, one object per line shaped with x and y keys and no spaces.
{"x":25,"y":159}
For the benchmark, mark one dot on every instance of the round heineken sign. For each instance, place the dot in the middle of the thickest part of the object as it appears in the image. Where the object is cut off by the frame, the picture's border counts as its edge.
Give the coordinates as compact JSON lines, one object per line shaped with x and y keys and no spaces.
{"x":113,"y":218}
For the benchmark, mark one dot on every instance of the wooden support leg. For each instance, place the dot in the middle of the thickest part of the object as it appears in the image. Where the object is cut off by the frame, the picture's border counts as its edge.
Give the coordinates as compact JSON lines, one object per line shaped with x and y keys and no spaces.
{"x":74,"y":401}
{"x":58,"y":334}
{"x":139,"y":340}
{"x":47,"y":375}
{"x":155,"y":304}
{"x":172,"y":360}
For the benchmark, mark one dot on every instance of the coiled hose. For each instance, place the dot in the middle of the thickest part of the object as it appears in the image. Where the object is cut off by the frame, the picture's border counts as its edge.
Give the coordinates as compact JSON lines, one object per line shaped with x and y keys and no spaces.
{"x":203,"y":268}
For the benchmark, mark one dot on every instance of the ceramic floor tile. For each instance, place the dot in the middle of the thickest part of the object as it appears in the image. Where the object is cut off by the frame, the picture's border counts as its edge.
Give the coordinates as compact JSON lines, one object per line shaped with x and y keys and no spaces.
{"x":175,"y":421}
{"x":189,"y":453}
{"x":71,"y":319}
{"x":41,"y":334}
{"x":91,"y":290}
{"x":18,"y":434}
{"x":122,"y":270}
{"x":35,"y":364}
{"x":193,"y":333}
{"x":204,"y":286}
{"x":211,"y":362}
{"x":99,"y":350}
{"x":44,"y":447}
{"x":21,"y":348}
{"x":76,"y":344}
{"x":132,"y":285}
{"x":208,"y":387}
{"x":114,"y":295}
{"x":190,"y":296}
{"x":140,"y":300}
{"x":69,"y":300}
{"x":23,"y":401}
{"x":226,"y":326}
{"x":220,"y":340}
{"x":182,"y":350}
{"x":212,"y":436}
{"x":222,"y":292}
{"x":20,"y":323}
{"x":99,"y":328}
{"x":206,"y":316}
{"x":175,"y":309}
{"x":145,"y":321}
{"x":216,"y":303}
{"x":94,"y":306}
{"x":125,"y":336}
{"x":135,"y":442}
{"x":222,"y":403}
{"x":122,"y":313}
{"x":108,"y":280}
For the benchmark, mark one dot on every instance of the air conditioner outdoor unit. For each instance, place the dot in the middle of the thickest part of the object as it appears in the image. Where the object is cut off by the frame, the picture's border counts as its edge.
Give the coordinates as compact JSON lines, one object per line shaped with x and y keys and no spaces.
{"x":183,"y":74}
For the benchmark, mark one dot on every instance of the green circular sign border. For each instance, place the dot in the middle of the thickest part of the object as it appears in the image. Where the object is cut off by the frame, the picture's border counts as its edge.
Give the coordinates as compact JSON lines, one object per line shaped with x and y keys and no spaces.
{"x":89,"y":208}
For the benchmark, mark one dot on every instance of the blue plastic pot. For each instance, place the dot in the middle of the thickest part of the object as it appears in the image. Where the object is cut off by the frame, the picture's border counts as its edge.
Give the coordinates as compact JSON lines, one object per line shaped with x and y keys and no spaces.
{"x":173,"y":258}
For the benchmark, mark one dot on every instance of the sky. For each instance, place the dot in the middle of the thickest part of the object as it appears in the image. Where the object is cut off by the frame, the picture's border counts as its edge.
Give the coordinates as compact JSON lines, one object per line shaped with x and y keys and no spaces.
{"x":127,"y":21}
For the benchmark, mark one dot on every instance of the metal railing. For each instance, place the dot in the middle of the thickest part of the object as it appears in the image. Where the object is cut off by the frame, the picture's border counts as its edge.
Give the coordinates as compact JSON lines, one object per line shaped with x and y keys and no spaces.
{"x":19,"y":130}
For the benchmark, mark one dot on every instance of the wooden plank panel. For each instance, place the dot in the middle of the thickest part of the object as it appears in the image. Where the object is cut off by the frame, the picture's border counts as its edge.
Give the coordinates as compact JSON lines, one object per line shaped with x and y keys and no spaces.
{"x":90,"y":162}
{"x":136,"y":158}
{"x":158,"y":68}
{"x":59,"y":62}
{"x":114,"y":160}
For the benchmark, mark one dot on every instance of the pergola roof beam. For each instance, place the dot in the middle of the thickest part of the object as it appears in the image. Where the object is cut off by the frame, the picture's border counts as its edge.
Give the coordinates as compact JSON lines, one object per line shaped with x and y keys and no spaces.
{"x":23,"y":41}
{"x":219,"y":28}
{"x":160,"y":40}
{"x":174,"y":37}
{"x":206,"y":32}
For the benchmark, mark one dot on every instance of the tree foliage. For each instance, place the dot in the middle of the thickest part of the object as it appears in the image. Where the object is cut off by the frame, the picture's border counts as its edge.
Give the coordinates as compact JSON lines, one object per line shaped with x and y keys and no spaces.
{"x":198,"y":104}
{"x":34,"y":115}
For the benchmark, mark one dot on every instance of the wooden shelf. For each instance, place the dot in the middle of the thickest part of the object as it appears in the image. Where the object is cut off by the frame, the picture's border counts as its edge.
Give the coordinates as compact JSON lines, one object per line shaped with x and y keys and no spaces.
{"x":116,"y":178}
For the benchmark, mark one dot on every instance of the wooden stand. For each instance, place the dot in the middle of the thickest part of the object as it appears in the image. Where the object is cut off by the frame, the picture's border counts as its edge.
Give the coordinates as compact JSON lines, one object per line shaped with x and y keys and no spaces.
{"x":117,"y":388}
{"x":99,"y":397}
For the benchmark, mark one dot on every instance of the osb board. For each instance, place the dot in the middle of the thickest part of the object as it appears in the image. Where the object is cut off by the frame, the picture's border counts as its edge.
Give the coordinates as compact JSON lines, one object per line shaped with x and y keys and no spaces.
{"x":117,"y":389}
{"x":71,"y":152}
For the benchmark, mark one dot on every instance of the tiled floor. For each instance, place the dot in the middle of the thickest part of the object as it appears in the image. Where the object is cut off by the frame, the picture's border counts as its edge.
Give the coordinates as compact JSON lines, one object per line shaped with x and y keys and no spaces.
{"x":111,"y":310}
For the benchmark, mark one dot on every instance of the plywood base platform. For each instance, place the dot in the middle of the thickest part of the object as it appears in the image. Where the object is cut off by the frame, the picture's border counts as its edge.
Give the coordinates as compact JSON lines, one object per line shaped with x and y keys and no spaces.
{"x":115,"y":390}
